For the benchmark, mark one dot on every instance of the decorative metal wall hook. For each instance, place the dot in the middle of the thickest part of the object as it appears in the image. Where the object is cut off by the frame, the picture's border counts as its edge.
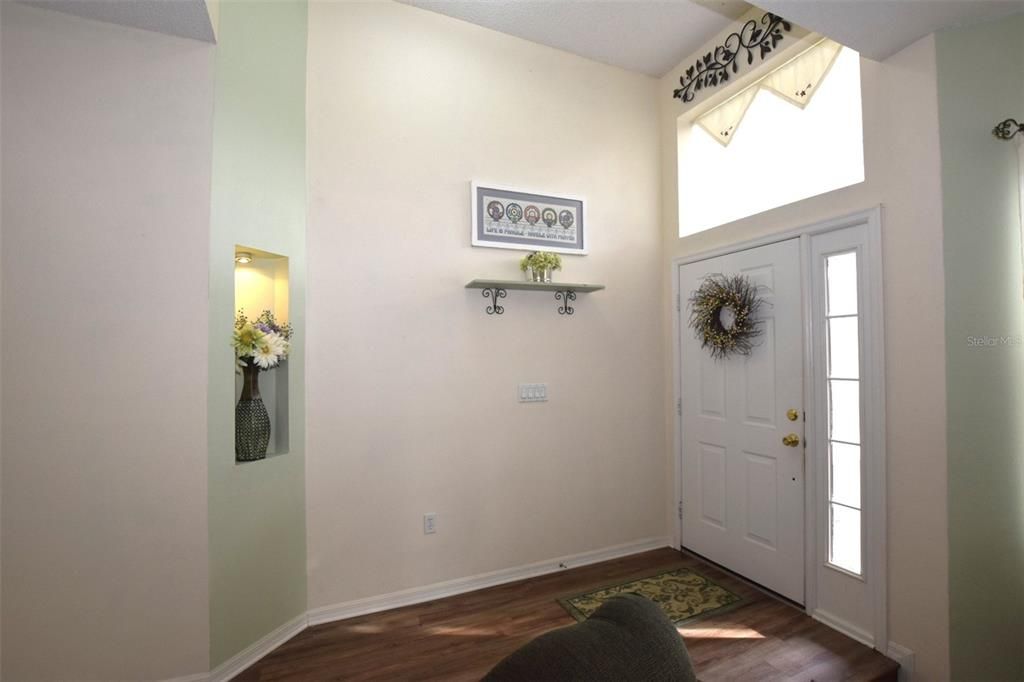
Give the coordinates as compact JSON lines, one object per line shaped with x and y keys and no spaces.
{"x":568,"y":295}
{"x":494,"y":294}
{"x":1007,"y":129}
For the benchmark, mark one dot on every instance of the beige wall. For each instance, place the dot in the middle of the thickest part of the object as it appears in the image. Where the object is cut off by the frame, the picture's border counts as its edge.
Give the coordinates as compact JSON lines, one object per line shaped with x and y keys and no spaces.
{"x":411,"y":386}
{"x":106,"y":169}
{"x":902,"y":167}
{"x":213,"y":9}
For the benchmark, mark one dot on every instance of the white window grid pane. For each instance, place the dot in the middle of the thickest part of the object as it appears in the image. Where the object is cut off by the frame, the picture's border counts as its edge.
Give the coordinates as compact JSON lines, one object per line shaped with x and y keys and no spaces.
{"x":844,"y":410}
{"x":844,"y":474}
{"x":845,"y":538}
{"x":843,"y":347}
{"x":841,"y":283}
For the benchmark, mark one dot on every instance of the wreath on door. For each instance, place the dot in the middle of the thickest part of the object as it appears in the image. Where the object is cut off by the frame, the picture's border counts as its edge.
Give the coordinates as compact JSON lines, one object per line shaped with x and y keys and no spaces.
{"x":723,"y":313}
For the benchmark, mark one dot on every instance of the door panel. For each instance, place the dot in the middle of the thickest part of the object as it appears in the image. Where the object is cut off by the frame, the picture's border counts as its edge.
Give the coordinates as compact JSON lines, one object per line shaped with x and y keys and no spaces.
{"x":759,"y":373}
{"x":712,"y":484}
{"x":743,"y":490}
{"x":762,"y":496}
{"x":712,"y":388}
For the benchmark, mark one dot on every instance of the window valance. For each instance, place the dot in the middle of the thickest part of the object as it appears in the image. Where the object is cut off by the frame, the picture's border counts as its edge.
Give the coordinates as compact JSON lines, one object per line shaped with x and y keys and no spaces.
{"x":796,"y":81}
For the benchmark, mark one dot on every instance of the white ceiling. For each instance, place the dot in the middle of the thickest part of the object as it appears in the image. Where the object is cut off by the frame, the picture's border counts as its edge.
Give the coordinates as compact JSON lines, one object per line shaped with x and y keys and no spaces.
{"x":184,"y":18}
{"x":653,"y":36}
{"x":647,"y":36}
{"x":881,"y":28}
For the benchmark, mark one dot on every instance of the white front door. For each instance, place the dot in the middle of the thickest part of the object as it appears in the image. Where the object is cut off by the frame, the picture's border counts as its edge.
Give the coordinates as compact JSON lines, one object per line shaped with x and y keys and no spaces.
{"x":742,"y":487}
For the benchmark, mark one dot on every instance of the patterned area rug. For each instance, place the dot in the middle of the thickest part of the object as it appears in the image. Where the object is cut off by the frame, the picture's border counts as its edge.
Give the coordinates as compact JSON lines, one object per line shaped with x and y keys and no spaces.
{"x":682,"y":594}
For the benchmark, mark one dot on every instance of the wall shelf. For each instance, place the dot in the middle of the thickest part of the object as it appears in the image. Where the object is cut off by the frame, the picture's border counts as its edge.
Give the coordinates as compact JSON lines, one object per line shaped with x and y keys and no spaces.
{"x":565,"y":292}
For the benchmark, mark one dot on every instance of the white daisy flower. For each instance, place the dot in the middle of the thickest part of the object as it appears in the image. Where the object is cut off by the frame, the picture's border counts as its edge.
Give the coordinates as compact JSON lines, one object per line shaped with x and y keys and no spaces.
{"x":266,"y":355}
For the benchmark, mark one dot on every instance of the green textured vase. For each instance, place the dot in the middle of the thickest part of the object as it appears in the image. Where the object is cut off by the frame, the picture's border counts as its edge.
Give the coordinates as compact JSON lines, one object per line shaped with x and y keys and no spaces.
{"x":252,"y":423}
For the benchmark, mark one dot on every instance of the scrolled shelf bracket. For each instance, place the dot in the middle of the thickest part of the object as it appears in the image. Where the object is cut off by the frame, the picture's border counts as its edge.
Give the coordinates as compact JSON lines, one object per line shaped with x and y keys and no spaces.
{"x":567,"y":296}
{"x":494,"y":293}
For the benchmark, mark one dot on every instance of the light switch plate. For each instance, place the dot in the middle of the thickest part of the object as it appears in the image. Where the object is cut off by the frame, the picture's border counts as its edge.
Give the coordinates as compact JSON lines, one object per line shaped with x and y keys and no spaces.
{"x":533,"y":393}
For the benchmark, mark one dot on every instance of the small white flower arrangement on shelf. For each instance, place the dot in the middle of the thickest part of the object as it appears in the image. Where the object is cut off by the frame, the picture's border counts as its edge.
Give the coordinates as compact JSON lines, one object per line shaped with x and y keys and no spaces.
{"x":262,"y":343}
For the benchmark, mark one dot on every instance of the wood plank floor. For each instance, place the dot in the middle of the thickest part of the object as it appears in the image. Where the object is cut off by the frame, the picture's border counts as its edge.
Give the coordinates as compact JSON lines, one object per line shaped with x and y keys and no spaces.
{"x":462,"y":637}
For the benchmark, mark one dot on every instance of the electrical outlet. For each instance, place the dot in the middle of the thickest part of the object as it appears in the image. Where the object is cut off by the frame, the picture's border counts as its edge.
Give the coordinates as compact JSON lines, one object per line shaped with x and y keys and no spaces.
{"x":533,"y":393}
{"x":429,"y":524}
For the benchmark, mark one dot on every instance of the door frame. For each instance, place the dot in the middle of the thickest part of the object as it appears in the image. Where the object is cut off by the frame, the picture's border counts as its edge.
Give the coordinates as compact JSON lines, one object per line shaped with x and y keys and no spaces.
{"x":875,"y":497}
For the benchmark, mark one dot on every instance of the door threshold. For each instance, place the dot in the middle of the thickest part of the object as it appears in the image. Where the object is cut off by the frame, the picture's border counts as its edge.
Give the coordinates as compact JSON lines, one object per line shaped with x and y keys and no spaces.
{"x":748,"y":581}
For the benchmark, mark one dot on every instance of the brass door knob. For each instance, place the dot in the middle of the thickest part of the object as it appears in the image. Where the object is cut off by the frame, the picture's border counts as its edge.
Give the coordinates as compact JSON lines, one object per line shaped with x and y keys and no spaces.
{"x":791,"y":440}
{"x":792,"y":415}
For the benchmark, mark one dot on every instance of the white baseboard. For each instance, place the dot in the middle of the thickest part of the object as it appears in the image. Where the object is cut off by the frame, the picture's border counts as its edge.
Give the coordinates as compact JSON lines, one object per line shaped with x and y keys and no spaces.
{"x":903,"y":656}
{"x":897,"y":652}
{"x":418,"y":595}
{"x":848,"y":629}
{"x":257,"y":650}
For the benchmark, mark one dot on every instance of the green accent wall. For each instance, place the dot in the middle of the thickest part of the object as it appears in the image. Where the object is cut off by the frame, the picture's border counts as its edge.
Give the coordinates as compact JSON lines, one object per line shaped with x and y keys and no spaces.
{"x":980,"y":83}
{"x":257,"y":509}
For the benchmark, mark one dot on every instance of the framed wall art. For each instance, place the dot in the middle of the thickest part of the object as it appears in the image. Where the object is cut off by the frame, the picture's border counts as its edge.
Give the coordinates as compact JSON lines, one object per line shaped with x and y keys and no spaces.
{"x":506,"y":218}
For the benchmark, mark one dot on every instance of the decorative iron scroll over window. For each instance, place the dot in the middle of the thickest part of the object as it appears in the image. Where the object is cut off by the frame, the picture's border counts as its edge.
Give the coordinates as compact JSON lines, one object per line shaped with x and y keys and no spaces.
{"x":715,"y":67}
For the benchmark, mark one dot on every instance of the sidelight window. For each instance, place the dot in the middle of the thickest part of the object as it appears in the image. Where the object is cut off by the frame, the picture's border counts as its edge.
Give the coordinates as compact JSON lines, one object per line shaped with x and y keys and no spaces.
{"x":843,"y":350}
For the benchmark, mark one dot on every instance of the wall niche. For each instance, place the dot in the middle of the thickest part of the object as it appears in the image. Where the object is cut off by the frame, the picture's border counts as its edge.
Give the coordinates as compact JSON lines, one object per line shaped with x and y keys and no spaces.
{"x":261,"y":393}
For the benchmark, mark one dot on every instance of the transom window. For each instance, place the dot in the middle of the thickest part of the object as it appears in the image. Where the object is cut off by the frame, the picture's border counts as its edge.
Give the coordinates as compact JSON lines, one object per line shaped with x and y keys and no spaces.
{"x":780,"y":154}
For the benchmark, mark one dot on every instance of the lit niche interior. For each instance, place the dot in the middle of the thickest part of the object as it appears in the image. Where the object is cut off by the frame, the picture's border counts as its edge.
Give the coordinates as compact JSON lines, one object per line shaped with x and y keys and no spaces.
{"x":261,"y":385}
